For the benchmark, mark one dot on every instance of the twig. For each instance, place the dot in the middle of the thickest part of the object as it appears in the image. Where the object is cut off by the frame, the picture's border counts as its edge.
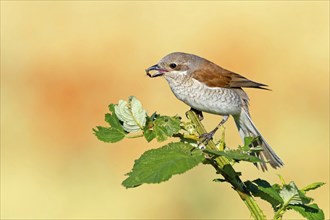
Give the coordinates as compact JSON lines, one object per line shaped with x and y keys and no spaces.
{"x":222,"y":166}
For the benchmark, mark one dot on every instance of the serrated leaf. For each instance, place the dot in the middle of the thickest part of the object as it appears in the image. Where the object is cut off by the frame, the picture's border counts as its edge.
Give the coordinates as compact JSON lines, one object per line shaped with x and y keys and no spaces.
{"x":235,"y":155}
{"x":310,"y":212}
{"x":111,"y":134}
{"x":149,"y":135}
{"x":132,"y":114}
{"x":161,"y":134}
{"x":165,"y":126}
{"x":158,"y":165}
{"x":112,"y":119}
{"x":290,"y":194}
{"x":305,"y":199}
{"x":270,"y":190}
{"x":312,"y":186}
{"x":261,"y":188}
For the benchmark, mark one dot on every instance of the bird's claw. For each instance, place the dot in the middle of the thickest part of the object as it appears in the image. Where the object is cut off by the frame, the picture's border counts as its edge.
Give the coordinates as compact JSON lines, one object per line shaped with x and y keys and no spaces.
{"x":206,"y":137}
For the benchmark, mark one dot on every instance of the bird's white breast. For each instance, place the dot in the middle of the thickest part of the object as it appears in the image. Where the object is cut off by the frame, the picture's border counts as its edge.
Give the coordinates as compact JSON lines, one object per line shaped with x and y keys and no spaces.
{"x":216,"y":100}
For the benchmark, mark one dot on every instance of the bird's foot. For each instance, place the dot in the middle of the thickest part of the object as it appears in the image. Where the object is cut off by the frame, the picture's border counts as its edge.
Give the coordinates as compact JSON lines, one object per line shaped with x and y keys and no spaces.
{"x":206,"y":137}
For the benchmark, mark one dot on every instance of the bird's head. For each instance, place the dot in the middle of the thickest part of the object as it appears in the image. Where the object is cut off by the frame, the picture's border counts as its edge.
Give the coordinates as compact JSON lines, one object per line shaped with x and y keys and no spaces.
{"x":175,"y":64}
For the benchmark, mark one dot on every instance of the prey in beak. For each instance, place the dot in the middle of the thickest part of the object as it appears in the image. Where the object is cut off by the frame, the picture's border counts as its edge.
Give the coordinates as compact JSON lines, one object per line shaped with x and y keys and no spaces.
{"x":160,"y":71}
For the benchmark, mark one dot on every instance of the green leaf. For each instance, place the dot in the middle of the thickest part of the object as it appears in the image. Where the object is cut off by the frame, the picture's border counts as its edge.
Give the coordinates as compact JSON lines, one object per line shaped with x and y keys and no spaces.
{"x":310,"y":212}
{"x":250,"y":143}
{"x":235,"y":155}
{"x":111,"y":134}
{"x":149,"y":135}
{"x":312,"y":186}
{"x":158,"y":165}
{"x":112,"y":119}
{"x":115,"y":132}
{"x":290,"y":194}
{"x":305,"y":199}
{"x":261,"y":188}
{"x":132,"y":114}
{"x":165,"y":126}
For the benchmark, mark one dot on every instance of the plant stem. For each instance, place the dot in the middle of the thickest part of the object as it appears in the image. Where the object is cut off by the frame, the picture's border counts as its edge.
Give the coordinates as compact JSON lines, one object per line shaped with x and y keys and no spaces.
{"x":279,"y":214}
{"x":222,"y":166}
{"x":134,"y":136}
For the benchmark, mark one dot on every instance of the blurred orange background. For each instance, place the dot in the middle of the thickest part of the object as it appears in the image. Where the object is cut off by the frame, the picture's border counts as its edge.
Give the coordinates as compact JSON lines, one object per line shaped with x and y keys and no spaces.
{"x":62,"y":63}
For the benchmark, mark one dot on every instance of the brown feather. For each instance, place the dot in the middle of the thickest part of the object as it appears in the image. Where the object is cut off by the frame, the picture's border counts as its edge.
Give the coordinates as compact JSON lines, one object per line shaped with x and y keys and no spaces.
{"x":215,"y":76}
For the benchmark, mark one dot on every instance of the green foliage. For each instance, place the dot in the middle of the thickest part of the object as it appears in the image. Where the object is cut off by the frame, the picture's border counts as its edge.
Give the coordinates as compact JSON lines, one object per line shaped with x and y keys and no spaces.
{"x":128,"y":119}
{"x":261,"y":188}
{"x":290,"y":194}
{"x":158,"y":165}
{"x":149,"y":135}
{"x":243,"y":153}
{"x":310,"y":212}
{"x":287,"y":197}
{"x":111,"y":134}
{"x":166,"y":127}
{"x":312,"y":186}
{"x":161,"y":127}
{"x":248,"y":145}
{"x":236,"y":155}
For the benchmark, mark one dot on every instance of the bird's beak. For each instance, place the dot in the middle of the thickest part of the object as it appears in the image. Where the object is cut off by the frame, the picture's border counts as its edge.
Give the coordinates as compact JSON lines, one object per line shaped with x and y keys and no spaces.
{"x":157,"y":68}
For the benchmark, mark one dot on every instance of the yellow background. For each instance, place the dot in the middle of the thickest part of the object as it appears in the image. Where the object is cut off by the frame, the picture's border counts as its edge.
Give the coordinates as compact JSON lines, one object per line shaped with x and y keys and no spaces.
{"x":62,"y":63}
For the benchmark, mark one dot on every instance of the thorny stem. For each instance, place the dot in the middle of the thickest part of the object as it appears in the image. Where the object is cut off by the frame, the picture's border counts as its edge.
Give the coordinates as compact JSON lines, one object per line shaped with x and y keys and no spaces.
{"x":222,"y":166}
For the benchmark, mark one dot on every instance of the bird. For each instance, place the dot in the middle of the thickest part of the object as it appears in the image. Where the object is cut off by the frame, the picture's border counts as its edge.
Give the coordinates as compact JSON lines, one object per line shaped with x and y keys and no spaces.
{"x":207,"y":87}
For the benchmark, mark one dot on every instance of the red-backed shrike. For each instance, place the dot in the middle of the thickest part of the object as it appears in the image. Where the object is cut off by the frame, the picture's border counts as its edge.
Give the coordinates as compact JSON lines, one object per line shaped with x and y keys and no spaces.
{"x":206,"y":87}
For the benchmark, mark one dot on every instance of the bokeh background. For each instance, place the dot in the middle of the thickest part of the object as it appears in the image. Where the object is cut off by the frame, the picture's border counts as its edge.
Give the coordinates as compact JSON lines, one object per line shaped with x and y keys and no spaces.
{"x":63,"y":62}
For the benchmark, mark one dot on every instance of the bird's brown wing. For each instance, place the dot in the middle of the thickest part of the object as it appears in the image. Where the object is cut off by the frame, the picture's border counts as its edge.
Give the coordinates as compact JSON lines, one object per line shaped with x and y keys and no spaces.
{"x":215,"y":76}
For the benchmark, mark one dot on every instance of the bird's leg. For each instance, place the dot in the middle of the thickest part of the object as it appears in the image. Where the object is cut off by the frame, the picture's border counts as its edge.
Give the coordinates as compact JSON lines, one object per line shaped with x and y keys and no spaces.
{"x":208,"y":136}
{"x":198,"y":113}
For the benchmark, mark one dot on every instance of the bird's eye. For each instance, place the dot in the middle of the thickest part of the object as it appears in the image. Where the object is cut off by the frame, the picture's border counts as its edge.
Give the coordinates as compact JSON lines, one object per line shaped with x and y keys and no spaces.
{"x":172,"y":65}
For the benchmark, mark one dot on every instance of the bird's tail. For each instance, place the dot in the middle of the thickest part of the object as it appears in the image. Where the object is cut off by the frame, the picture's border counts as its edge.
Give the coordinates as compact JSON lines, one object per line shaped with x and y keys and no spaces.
{"x":247,"y":128}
